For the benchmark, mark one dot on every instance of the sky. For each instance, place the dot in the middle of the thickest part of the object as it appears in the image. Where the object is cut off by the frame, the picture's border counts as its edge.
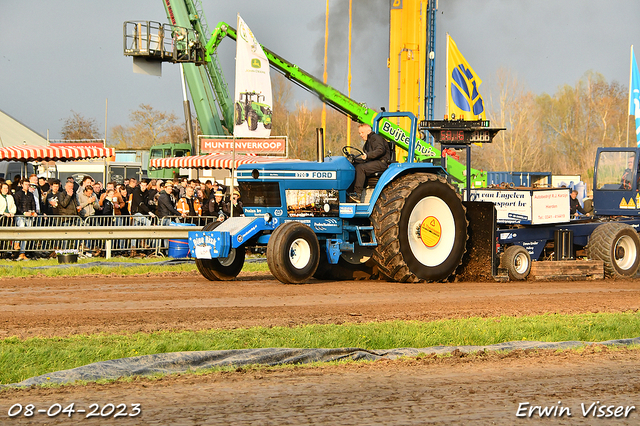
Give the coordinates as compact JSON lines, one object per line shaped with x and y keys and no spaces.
{"x":63,"y":56}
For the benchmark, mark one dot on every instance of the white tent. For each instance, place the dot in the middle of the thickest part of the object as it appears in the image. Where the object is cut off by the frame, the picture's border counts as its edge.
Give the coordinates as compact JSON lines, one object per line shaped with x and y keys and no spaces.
{"x":13,"y":133}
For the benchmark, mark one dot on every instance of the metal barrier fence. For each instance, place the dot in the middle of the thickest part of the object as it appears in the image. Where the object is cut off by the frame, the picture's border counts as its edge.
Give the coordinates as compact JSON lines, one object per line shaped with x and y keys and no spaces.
{"x":124,"y":230}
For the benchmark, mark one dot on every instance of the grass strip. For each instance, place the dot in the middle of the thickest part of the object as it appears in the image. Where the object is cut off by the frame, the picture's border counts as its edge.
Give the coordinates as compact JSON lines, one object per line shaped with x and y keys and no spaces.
{"x":21,"y":359}
{"x":12,"y":269}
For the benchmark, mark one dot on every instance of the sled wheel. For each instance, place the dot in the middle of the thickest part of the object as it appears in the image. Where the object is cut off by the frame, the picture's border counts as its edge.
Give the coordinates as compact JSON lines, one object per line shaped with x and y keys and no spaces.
{"x":221,"y":269}
{"x":517,"y":261}
{"x":252,"y":120}
{"x":293,"y":253}
{"x":421,"y":227}
{"x":238,"y":114}
{"x":350,"y":266}
{"x":617,"y":245}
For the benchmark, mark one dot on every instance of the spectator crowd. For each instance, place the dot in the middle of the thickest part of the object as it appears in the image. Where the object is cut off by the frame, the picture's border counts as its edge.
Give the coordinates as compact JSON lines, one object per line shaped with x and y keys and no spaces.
{"x":24,"y":202}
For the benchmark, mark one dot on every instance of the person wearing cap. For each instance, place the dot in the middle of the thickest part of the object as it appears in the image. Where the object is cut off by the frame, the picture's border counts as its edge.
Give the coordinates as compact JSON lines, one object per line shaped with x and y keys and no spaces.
{"x":216,"y":186}
{"x":216,"y":204}
{"x":237,"y":205}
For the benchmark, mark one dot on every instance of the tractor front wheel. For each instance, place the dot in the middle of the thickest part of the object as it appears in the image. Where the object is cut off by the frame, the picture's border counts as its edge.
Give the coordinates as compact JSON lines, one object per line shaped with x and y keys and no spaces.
{"x":293,"y":253}
{"x":221,"y":269}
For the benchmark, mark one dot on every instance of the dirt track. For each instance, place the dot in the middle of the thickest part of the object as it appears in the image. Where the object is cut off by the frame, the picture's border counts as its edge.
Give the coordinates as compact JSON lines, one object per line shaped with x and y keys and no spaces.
{"x":52,"y":306}
{"x":465,"y":391}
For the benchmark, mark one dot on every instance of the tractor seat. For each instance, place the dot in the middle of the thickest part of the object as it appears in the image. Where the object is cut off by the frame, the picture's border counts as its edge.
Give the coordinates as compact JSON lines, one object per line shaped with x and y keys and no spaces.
{"x":372,"y":180}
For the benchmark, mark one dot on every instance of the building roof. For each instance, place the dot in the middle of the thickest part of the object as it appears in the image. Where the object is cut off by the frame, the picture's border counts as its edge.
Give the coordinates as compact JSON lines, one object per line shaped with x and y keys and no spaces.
{"x":13,"y":132}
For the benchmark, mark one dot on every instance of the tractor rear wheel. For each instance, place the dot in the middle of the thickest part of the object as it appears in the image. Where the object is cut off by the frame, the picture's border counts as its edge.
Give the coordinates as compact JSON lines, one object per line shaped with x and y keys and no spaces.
{"x":221,"y":269}
{"x":293,"y":253}
{"x":238,"y":114}
{"x":421,"y":227}
{"x":618,"y":246}
{"x":252,"y":120}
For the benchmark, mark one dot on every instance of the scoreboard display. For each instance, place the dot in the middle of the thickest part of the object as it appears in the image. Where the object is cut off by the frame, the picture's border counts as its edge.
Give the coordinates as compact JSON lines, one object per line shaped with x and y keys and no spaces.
{"x":459,"y":132}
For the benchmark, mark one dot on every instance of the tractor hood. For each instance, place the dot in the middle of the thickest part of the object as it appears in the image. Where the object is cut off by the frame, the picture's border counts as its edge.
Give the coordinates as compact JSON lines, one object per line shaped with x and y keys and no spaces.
{"x":334,"y":173}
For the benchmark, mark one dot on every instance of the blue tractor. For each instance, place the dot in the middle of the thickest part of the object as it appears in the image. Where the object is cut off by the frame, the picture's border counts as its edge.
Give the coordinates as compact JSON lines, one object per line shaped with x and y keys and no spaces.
{"x":411,"y":227}
{"x":608,"y":234}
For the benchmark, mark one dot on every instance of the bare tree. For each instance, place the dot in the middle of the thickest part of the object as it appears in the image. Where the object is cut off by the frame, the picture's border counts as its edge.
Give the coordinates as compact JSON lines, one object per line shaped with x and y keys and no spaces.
{"x":281,"y":95}
{"x":558,"y":133}
{"x":336,"y":136}
{"x":79,"y":127}
{"x":579,"y":119}
{"x":120,"y":137}
{"x":150,"y":127}
{"x":300,"y":133}
{"x":518,"y":147}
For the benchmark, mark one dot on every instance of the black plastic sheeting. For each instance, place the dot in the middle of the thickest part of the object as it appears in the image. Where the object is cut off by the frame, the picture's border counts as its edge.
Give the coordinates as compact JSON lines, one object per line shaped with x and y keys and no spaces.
{"x":179,"y":362}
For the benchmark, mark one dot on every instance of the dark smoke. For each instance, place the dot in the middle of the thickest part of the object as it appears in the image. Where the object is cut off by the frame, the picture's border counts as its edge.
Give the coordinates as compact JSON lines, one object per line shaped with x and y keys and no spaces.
{"x":369,"y":45}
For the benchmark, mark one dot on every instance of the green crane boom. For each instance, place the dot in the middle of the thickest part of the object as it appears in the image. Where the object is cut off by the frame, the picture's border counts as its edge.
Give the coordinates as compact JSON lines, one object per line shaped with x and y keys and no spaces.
{"x":202,"y":79}
{"x":214,"y":107}
{"x":356,"y":111}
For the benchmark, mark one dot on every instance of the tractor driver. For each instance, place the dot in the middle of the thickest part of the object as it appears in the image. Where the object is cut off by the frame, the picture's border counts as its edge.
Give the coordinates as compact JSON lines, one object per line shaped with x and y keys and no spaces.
{"x":626,"y":181}
{"x":375,"y":159}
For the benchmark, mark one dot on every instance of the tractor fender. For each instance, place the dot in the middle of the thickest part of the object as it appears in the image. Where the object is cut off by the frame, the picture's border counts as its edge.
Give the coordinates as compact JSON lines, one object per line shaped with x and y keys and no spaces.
{"x":396,"y":171}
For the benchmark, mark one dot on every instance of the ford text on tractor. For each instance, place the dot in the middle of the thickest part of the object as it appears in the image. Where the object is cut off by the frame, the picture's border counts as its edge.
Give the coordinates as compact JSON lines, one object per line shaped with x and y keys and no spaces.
{"x":412,"y":226}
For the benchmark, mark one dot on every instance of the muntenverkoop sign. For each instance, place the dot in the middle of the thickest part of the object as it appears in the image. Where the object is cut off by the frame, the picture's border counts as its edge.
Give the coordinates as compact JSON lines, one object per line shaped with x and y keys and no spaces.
{"x":271,"y":146}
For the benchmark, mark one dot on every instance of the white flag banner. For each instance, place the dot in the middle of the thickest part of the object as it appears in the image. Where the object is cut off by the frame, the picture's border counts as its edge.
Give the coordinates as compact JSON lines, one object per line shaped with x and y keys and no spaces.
{"x":253,"y":103}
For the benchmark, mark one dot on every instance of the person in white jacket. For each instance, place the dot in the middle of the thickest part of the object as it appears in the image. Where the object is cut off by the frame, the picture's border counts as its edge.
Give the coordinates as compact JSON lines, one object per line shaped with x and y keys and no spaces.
{"x":7,"y":203}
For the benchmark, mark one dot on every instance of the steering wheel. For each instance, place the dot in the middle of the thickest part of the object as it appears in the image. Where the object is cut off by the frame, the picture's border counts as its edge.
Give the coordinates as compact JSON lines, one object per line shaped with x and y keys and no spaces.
{"x":346,"y":150}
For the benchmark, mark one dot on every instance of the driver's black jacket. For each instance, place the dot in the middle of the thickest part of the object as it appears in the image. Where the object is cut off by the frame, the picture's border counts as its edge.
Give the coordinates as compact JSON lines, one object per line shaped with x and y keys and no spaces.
{"x":376,"y":148}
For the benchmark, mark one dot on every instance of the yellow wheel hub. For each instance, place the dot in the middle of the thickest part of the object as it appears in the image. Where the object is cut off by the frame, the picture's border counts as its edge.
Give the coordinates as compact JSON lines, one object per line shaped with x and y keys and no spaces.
{"x":430,"y":231}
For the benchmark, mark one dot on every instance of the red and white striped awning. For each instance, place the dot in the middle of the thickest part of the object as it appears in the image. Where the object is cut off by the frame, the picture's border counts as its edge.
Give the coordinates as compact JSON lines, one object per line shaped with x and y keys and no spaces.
{"x":56,"y":152}
{"x":213,"y":161}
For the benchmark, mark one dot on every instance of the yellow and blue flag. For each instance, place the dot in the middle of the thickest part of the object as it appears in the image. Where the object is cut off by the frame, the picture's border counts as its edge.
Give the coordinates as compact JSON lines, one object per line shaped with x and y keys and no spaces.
{"x":463,"y":98}
{"x":634,"y":94}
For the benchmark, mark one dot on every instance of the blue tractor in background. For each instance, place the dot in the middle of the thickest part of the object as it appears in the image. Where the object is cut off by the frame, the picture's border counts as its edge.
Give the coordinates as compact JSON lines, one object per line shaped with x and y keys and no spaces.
{"x":412,"y":226}
{"x":608,"y":234}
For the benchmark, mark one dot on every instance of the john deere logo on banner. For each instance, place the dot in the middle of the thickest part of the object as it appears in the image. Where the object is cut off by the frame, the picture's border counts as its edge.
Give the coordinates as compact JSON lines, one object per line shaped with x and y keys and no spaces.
{"x":253,"y":104}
